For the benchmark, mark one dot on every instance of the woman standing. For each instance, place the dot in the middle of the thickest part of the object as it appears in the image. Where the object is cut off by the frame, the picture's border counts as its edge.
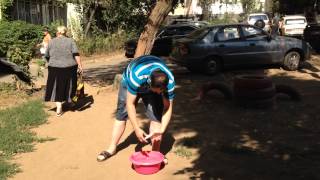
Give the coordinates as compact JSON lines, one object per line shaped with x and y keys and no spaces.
{"x":64,"y":60}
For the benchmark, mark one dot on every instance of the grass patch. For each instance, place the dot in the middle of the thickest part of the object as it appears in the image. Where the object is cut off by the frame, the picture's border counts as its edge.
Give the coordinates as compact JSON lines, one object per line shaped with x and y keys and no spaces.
{"x":183,"y":151}
{"x":16,"y":137}
{"x":7,"y":88}
{"x":40,"y":62}
{"x":6,"y":169}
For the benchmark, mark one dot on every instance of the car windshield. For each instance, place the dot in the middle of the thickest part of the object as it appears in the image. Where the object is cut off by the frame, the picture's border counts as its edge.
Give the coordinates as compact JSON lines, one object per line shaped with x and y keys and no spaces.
{"x":295,"y":21}
{"x":258,"y":17}
{"x":198,"y":33}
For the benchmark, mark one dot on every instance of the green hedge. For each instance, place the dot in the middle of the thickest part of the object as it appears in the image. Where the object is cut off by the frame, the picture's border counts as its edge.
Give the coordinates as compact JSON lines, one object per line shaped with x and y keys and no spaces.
{"x":18,"y":41}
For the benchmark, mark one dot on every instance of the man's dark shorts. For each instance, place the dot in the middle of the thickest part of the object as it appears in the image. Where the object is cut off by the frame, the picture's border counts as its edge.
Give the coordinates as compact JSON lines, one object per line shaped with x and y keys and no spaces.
{"x":152,"y":102}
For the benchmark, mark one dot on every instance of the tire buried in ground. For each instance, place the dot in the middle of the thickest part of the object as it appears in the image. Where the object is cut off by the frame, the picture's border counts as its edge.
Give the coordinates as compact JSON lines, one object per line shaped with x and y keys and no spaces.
{"x":254,"y":91}
{"x":255,"y":103}
{"x":252,"y":82}
{"x":288,"y":90}
{"x":219,"y":86}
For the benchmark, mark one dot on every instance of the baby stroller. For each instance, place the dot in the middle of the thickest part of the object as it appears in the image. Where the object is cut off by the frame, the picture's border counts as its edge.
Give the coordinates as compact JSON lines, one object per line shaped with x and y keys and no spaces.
{"x":80,"y":89}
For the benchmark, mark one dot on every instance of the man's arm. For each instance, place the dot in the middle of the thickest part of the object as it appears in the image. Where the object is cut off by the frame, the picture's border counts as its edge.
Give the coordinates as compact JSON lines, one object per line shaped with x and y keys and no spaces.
{"x":166,"y":117}
{"x":131,"y":108}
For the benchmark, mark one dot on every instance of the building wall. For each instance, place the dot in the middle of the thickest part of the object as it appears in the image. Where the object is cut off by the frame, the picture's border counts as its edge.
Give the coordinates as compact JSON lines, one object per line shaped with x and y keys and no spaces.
{"x":218,"y":8}
{"x":37,"y":11}
{"x":44,"y":12}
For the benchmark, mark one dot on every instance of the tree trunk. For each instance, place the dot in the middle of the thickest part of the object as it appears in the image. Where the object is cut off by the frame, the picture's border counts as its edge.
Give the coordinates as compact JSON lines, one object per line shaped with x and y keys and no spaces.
{"x":206,"y":6}
{"x":157,"y":16}
{"x":92,"y":13}
{"x":189,"y":3}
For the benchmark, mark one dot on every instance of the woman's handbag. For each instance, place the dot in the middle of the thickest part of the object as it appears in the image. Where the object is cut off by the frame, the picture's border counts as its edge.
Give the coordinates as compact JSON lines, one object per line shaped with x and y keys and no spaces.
{"x":80,"y":89}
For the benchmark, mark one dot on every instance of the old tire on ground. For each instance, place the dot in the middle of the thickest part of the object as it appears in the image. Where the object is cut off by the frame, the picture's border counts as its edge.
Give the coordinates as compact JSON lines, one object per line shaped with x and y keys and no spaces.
{"x":252,"y":82}
{"x":292,"y":61}
{"x":256,"y":103}
{"x":212,"y":66}
{"x":219,"y":86}
{"x":288,"y":90}
{"x":255,"y":91}
{"x":264,"y":93}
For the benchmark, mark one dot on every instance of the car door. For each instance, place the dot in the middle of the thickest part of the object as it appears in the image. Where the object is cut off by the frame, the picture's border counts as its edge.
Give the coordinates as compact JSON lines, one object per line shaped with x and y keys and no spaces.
{"x":261,"y":48}
{"x":230,"y":45}
{"x":163,"y":43}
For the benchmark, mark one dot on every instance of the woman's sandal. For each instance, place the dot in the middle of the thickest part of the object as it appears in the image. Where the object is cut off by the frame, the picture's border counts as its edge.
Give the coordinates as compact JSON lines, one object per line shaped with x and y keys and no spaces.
{"x":59,"y":113}
{"x":104,"y":155}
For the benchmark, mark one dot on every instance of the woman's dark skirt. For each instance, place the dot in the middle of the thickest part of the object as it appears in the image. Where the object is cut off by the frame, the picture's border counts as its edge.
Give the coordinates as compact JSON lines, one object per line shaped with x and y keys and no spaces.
{"x":61,"y":84}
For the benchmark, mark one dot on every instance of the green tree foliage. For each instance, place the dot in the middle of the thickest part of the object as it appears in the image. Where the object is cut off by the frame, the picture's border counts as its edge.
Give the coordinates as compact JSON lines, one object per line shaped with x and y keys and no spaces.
{"x":206,"y":10}
{"x":111,"y":15}
{"x":248,"y":5}
{"x":4,"y":4}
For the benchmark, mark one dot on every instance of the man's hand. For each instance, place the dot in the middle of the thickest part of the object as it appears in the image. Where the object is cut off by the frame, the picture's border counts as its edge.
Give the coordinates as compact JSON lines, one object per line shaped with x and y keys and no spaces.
{"x":80,"y":70}
{"x":156,"y":136}
{"x":140,"y":135}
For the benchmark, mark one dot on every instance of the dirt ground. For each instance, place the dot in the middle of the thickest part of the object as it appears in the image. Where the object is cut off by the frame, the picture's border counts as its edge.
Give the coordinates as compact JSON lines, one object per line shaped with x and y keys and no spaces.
{"x":226,"y":141}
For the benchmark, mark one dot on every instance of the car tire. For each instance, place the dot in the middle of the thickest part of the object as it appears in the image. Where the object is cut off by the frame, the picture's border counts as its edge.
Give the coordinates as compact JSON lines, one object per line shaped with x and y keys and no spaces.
{"x":256,"y":103}
{"x":254,"y":91}
{"x":292,"y":61}
{"x":212,"y":66}
{"x":289,"y":91}
{"x":260,"y":23}
{"x":255,"y":94}
{"x":224,"y":88}
{"x":252,"y":82}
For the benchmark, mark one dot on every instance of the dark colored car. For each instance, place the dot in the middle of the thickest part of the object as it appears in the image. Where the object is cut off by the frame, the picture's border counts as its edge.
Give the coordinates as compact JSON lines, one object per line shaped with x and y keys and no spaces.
{"x":163,"y":42}
{"x":311,"y":34}
{"x":214,"y":48}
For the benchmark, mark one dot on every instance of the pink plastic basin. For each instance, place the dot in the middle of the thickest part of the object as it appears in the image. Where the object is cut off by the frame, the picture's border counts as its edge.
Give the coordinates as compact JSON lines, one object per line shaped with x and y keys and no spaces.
{"x":147,"y":162}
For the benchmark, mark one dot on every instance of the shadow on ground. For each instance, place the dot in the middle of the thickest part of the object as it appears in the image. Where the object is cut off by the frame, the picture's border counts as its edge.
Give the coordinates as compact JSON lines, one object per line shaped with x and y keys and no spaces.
{"x":238,"y":143}
{"x":282,"y":142}
{"x":104,"y":75}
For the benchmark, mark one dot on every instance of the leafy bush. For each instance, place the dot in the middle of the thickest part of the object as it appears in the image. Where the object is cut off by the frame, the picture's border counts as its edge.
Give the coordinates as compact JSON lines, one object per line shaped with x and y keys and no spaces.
{"x":18,"y":41}
{"x":103,"y":43}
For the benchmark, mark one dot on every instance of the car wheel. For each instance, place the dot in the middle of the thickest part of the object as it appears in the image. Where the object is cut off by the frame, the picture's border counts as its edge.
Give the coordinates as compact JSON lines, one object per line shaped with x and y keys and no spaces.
{"x":212,"y":66}
{"x":292,"y":61}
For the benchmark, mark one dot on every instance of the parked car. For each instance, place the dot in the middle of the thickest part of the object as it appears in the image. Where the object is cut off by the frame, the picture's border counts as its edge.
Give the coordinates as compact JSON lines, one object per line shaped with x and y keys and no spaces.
{"x":163,"y":42}
{"x":293,"y":25}
{"x":214,"y":48}
{"x":253,"y":18}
